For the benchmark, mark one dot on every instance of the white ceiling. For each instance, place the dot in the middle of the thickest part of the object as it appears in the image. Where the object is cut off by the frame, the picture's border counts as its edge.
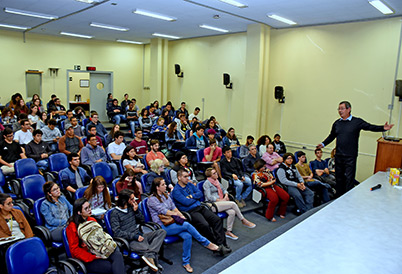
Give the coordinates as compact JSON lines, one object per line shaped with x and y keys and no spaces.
{"x":76,"y":16}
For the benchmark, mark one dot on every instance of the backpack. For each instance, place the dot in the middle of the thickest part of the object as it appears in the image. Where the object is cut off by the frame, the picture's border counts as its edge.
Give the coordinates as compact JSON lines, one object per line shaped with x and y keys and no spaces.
{"x":98,"y":242}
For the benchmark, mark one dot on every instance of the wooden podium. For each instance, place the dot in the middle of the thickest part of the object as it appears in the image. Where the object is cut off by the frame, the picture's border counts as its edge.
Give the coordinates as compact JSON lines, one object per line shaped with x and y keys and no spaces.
{"x":389,"y":154}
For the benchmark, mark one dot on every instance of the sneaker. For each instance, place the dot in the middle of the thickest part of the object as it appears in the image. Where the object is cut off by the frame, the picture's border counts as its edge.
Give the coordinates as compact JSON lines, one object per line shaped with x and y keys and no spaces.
{"x":223,"y":250}
{"x":239,"y":204}
{"x":150,"y":262}
{"x":230,"y":235}
{"x":248,"y":223}
{"x":243,"y":202}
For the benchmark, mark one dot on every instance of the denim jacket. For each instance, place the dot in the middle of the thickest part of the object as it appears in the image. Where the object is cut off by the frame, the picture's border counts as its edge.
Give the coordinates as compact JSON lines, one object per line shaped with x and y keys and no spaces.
{"x":56,"y":214}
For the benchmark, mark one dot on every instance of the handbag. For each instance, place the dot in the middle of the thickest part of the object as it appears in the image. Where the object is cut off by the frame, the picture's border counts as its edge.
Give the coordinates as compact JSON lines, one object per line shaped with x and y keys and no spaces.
{"x":166,"y":220}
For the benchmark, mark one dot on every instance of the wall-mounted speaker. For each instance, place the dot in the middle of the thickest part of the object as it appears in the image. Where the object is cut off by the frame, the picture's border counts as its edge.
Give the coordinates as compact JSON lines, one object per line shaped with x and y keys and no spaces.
{"x":398,"y":88}
{"x":177,"y":70}
{"x":226,"y":80}
{"x":278,"y":94}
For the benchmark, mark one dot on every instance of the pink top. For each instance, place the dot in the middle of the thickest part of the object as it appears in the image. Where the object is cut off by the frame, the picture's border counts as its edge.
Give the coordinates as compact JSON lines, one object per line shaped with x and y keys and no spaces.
{"x":269,"y":158}
{"x":215,"y":155}
{"x":151,"y":157}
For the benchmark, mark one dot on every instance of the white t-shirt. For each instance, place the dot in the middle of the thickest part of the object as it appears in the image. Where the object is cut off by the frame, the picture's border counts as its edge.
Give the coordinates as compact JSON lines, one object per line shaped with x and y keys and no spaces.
{"x":133,"y":163}
{"x":23,"y":138}
{"x":192,"y":115}
{"x":116,"y":149}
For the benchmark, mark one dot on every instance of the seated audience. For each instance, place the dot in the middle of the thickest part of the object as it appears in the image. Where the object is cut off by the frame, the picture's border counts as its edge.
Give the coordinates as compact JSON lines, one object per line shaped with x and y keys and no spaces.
{"x":92,"y":130}
{"x":114,"y":264}
{"x":173,"y":137}
{"x":159,"y":126}
{"x":33,"y":116}
{"x":280,"y":147}
{"x":166,"y":117}
{"x":12,"y":221}
{"x":60,"y":109}
{"x":160,"y":203}
{"x":100,"y":129}
{"x":331,"y":161}
{"x":39,"y":151}
{"x":124,"y":220}
{"x":288,"y":175}
{"x":97,"y":195}
{"x":24,"y":135}
{"x":115,"y":112}
{"x":128,"y":181}
{"x":214,"y":192}
{"x":213,"y":154}
{"x":187,"y":198}
{"x":250,"y":160}
{"x":110,"y":137}
{"x":156,"y":154}
{"x":56,"y":210}
{"x":116,"y":148}
{"x":67,"y":121}
{"x":10,"y":152}
{"x":79,"y":113}
{"x":245,"y":149}
{"x":183,"y":109}
{"x":92,"y":153}
{"x":195,"y":114}
{"x":70,"y":143}
{"x":140,"y":145}
{"x":42,"y":121}
{"x":157,"y":170}
{"x":195,"y":142}
{"x":125,"y":102}
{"x":231,"y":141}
{"x":21,"y":107}
{"x":77,"y":128}
{"x":169,"y":108}
{"x":182,"y":163}
{"x":74,"y":176}
{"x":262,"y":144}
{"x":7,"y":116}
{"x":132,"y":117}
{"x":130,"y":160}
{"x":51,"y":102}
{"x":182,"y":125}
{"x":271,"y":158}
{"x":320,"y":169}
{"x":51,"y":134}
{"x":151,"y":113}
{"x":211,"y":124}
{"x":145,"y":121}
{"x":17,"y":124}
{"x":307,"y":176}
{"x":37,"y":102}
{"x":231,"y":168}
{"x":263,"y":178}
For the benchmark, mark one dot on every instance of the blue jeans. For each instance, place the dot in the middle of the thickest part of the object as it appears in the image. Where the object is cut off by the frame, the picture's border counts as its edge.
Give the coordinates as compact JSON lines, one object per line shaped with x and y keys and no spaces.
{"x":186,"y":231}
{"x":239,"y":188}
{"x":321,"y":187}
{"x":114,"y":169}
{"x":303,"y":199}
{"x":118,"y":117}
{"x":133,"y":125}
{"x":42,"y":164}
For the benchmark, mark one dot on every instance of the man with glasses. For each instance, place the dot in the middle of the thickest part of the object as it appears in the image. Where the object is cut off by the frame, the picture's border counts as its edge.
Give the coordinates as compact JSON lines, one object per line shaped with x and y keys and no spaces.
{"x":187,"y":198}
{"x":24,"y":135}
{"x":10,"y":152}
{"x":288,"y":175}
{"x":346,"y":130}
{"x":92,"y":153}
{"x":100,"y":129}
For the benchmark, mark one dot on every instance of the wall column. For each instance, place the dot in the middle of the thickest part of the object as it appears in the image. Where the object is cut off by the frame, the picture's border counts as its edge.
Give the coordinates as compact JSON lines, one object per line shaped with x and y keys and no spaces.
{"x":158,"y":70}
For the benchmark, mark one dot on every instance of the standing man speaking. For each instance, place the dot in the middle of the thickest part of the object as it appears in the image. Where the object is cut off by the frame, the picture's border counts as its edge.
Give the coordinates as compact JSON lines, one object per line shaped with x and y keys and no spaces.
{"x":346,"y":130}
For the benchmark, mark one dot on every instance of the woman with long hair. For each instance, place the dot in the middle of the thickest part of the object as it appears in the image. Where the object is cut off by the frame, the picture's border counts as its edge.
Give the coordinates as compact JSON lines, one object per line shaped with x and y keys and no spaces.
{"x":173,"y":136}
{"x":157,"y":171}
{"x":12,"y":221}
{"x":262,"y":143}
{"x":214,"y":192}
{"x":161,"y":203}
{"x":128,"y":181}
{"x":145,"y":121}
{"x":165,"y":115}
{"x":94,"y":264}
{"x":42,"y":121}
{"x":231,"y":141}
{"x":110,"y":136}
{"x":55,"y":209}
{"x":34,"y":116}
{"x":263,"y":178}
{"x":182,"y":163}
{"x":21,"y":107}
{"x":98,"y":196}
{"x":7,"y":116}
{"x":79,"y":113}
{"x":130,"y":160}
{"x":38,"y":103}
{"x":159,"y":126}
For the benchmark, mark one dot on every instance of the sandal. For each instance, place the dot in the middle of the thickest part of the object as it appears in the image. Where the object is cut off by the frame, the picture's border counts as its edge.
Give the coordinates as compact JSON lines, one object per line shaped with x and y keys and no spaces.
{"x":188,"y":268}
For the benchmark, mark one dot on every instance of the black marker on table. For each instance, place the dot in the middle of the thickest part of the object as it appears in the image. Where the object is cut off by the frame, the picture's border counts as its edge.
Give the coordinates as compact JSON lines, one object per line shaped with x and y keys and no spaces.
{"x":375,"y":187}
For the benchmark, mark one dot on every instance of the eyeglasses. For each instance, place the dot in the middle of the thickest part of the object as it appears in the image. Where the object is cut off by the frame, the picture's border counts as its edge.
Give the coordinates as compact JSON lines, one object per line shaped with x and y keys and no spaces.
{"x":214,"y":173}
{"x":55,"y":189}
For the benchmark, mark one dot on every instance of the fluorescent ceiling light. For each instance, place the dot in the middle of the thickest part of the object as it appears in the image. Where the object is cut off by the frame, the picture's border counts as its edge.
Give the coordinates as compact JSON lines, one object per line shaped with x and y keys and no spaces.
{"x":234,"y":3}
{"x":280,"y":18}
{"x":13,"y":26}
{"x":213,"y":28}
{"x":129,"y":42}
{"x":30,"y":13}
{"x":89,"y":1}
{"x":165,"y":36}
{"x":154,"y":15}
{"x":104,"y":26}
{"x":381,"y":7}
{"x":76,"y":35}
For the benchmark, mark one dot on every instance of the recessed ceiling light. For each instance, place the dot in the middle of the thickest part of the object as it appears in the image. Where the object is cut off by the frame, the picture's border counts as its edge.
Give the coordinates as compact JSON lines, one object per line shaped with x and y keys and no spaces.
{"x":76,"y":35}
{"x":165,"y":35}
{"x":13,"y":26}
{"x":282,"y":19}
{"x":381,"y":7}
{"x":30,"y":13}
{"x":154,"y":15}
{"x":89,"y":1}
{"x":129,"y":42}
{"x":104,"y":26}
{"x":234,"y":3}
{"x":213,"y":28}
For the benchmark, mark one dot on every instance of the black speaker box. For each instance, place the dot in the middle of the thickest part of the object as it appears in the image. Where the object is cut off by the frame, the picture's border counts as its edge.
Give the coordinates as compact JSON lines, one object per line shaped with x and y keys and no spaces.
{"x":398,"y":88}
{"x":226,"y":79}
{"x":177,"y":69}
{"x":278,"y":92}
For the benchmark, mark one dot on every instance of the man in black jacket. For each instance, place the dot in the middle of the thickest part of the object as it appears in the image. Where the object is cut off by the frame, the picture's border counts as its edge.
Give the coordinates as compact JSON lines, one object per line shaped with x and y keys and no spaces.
{"x":38,"y":150}
{"x":346,"y":130}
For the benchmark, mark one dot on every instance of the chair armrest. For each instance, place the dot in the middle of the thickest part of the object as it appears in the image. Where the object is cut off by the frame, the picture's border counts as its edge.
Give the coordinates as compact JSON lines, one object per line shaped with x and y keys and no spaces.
{"x":42,"y":233}
{"x":78,"y":265}
{"x":66,"y":267}
{"x":187,"y":215}
{"x":14,"y":186}
{"x":121,"y":242}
